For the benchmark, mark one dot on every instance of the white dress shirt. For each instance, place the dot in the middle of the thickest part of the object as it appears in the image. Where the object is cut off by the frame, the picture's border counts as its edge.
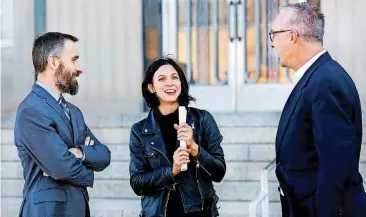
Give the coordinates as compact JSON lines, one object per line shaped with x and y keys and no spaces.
{"x":53,"y":93}
{"x":301,"y":71}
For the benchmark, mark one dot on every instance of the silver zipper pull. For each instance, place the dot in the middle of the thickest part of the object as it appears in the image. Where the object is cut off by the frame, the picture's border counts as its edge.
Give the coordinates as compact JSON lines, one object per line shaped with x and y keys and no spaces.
{"x":198,"y":165}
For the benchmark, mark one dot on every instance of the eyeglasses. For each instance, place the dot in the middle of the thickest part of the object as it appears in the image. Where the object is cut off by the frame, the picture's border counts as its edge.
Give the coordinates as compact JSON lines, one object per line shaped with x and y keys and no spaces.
{"x":272,"y":33}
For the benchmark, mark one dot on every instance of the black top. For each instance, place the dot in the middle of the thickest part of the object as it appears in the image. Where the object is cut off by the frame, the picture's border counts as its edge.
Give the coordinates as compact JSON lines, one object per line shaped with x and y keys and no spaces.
{"x":169,"y":133}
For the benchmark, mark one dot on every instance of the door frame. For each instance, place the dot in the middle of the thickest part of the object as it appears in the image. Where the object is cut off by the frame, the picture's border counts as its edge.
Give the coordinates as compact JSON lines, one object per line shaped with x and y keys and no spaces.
{"x":236,"y":95}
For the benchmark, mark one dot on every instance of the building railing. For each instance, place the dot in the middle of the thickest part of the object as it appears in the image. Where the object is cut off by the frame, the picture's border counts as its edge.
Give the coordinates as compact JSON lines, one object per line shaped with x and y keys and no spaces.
{"x":262,"y":196}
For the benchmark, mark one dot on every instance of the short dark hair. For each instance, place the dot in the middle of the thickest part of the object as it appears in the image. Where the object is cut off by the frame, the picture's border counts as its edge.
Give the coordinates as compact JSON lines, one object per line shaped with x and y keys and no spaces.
{"x":307,"y":20}
{"x":48,"y":44}
{"x":151,"y":99}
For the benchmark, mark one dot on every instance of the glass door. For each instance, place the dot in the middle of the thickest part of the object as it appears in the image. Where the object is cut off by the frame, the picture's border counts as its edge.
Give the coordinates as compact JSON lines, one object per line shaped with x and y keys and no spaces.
{"x":223,"y":47}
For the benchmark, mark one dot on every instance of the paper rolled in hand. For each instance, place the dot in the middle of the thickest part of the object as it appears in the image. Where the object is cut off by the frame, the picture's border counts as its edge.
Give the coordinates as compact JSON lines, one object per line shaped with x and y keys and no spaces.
{"x":182,"y":119}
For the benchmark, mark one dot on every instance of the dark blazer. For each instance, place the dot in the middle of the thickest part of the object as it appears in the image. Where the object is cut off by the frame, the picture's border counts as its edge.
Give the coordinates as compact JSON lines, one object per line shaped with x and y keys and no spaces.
{"x":43,"y":134}
{"x":318,"y":144}
{"x":151,"y":171}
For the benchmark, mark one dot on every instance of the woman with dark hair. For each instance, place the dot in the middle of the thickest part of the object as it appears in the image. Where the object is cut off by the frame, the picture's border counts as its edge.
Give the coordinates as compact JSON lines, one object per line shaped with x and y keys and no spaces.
{"x":155,"y":154}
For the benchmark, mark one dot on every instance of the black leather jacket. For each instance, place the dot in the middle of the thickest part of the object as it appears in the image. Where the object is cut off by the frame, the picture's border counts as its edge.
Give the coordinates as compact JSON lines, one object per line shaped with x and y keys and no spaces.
{"x":151,"y":172}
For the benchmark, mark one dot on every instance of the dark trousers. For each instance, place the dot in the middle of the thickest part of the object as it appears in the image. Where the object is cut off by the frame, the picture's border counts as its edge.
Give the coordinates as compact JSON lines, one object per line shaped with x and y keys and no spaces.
{"x":177,"y":210}
{"x":87,"y":210}
{"x":284,"y":207}
{"x":194,"y":214}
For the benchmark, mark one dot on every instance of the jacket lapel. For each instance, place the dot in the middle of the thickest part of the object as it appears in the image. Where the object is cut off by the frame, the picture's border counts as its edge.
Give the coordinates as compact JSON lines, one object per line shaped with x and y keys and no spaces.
{"x":52,"y":103}
{"x":151,"y":127}
{"x":75,"y":125}
{"x":287,"y":112}
{"x":294,"y":98}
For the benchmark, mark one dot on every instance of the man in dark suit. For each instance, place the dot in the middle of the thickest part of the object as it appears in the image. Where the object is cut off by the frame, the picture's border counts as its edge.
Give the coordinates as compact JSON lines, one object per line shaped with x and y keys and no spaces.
{"x":319,"y":135}
{"x":58,"y":152}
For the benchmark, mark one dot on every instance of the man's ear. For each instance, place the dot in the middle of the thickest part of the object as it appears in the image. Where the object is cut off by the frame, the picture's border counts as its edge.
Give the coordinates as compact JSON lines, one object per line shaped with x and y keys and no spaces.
{"x":151,"y":88}
{"x":53,"y":62}
{"x":294,"y":37}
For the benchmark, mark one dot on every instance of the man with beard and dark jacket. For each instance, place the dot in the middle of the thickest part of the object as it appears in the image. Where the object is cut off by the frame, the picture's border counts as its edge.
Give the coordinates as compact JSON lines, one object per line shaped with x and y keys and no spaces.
{"x":58,"y":152}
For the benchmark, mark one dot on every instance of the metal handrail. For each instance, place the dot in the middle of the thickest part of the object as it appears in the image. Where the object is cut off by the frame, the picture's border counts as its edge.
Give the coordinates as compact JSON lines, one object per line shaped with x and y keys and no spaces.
{"x":263,"y":194}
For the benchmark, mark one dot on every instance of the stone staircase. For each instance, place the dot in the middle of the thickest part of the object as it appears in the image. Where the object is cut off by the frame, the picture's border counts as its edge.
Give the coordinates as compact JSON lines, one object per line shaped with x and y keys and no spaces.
{"x":248,"y":145}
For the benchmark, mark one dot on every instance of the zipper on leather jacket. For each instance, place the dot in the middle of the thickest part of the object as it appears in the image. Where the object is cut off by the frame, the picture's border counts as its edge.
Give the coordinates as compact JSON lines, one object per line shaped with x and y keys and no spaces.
{"x":167,"y":160}
{"x":166,"y":157}
{"x":181,"y":196}
{"x":203,"y":168}
{"x":198,"y":184}
{"x":166,"y":203}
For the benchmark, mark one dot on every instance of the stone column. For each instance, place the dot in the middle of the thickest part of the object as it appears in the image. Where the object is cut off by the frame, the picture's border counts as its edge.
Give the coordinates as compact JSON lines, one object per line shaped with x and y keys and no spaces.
{"x":345,"y":32}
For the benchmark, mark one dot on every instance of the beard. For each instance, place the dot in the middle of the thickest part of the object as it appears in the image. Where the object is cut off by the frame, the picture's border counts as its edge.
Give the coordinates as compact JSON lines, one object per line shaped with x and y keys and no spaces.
{"x":66,"y":80}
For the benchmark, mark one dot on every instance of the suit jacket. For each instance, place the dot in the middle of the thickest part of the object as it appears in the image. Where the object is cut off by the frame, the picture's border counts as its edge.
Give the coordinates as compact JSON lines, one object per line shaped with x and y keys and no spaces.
{"x":43,"y":134}
{"x":318,"y":144}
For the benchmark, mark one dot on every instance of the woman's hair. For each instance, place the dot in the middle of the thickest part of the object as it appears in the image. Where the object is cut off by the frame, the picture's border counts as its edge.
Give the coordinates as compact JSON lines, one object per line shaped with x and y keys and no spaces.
{"x":151,"y":99}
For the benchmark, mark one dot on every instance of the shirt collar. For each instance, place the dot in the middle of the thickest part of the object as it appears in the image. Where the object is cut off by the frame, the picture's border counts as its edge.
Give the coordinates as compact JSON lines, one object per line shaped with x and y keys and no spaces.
{"x":301,"y":71}
{"x":52,"y":92}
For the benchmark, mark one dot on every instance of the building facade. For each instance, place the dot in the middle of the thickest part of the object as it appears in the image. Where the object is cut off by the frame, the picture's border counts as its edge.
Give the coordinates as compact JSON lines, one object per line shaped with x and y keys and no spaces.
{"x":222,"y":46}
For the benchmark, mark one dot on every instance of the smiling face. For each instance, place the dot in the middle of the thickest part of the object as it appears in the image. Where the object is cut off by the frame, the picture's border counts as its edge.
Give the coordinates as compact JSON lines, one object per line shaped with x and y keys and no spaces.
{"x":166,"y":85}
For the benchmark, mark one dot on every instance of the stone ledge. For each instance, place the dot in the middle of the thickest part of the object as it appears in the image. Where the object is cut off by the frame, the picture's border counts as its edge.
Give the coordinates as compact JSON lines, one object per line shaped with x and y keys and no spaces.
{"x":236,"y":171}
{"x":231,"y":191}
{"x":120,"y":189}
{"x":105,"y":120}
{"x":95,"y":120}
{"x":231,"y":135}
{"x":248,"y":135}
{"x":236,"y":152}
{"x":120,"y":152}
{"x":131,"y":208}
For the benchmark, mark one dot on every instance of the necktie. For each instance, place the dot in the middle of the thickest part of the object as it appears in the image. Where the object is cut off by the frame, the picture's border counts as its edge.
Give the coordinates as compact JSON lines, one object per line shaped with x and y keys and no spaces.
{"x":63,"y":104}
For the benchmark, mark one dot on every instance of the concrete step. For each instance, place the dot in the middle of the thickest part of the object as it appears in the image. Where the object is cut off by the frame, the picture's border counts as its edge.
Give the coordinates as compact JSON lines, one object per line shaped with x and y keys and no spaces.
{"x":236,"y":171}
{"x":97,"y":120}
{"x":235,"y":127}
{"x":131,"y":208}
{"x":120,"y":189}
{"x":120,"y":152}
{"x":248,"y":145}
{"x":231,"y":135}
{"x":94,"y":120}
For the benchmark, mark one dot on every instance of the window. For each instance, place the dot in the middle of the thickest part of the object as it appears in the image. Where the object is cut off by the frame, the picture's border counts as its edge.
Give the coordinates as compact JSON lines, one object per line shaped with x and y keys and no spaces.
{"x":6,"y":14}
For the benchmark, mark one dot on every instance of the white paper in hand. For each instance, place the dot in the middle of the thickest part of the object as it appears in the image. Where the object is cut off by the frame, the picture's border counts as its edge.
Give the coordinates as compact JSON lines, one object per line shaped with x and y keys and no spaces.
{"x":182,"y":119}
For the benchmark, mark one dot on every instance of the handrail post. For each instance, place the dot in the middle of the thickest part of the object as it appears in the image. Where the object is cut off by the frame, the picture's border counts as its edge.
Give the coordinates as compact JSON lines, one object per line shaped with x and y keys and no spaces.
{"x":265,"y":202}
{"x":263,"y":196}
{"x":252,"y":211}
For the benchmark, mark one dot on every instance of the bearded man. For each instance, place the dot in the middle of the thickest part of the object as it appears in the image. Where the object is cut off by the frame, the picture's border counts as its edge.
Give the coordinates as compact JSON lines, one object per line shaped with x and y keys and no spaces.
{"x":58,"y":152}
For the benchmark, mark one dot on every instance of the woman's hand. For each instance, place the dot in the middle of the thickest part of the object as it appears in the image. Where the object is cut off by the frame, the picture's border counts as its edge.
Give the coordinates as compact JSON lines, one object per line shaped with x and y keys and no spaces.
{"x":185,"y":133}
{"x":181,"y":156}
